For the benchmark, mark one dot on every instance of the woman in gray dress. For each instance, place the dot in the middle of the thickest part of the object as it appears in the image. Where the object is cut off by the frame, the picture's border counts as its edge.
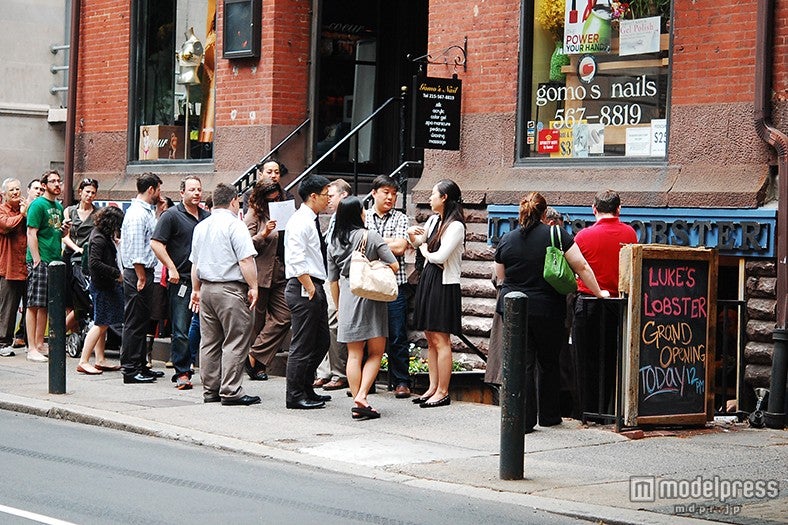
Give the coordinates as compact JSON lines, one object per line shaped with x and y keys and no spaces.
{"x":362,"y":322}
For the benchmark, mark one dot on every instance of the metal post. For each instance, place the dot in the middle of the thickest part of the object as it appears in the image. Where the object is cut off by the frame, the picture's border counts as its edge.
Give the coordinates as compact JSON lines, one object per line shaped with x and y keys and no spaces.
{"x":774,"y":417}
{"x":403,"y":180}
{"x":56,"y":310}
{"x":515,"y":326}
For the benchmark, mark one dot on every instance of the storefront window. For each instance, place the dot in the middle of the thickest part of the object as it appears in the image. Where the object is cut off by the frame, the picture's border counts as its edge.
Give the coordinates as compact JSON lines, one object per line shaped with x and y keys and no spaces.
{"x":173,"y":82}
{"x":595,"y":79}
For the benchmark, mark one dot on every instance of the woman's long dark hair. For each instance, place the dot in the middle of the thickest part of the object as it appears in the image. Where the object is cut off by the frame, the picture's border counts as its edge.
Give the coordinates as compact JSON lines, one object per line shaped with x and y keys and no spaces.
{"x":257,"y":200}
{"x":348,"y":219}
{"x":452,"y":211}
{"x":108,"y":221}
{"x":532,"y":209}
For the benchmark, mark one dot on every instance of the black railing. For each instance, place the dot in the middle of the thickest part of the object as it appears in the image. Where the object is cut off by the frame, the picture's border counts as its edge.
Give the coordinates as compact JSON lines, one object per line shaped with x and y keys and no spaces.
{"x":249,"y":177}
{"x":353,"y":133}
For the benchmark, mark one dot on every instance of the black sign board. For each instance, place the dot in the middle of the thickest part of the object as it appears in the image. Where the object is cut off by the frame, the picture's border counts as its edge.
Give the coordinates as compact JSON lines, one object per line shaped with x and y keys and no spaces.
{"x":436,"y":113}
{"x":672,"y":314}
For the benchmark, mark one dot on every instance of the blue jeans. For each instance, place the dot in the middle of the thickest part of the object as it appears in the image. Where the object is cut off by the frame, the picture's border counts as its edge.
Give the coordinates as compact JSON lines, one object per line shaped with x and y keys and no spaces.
{"x":180,"y":320}
{"x":397,"y":348}
{"x":194,"y":339}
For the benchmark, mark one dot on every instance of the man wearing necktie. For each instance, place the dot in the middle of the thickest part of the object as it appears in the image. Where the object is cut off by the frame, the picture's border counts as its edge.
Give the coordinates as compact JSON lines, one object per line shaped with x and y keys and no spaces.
{"x":305,"y":270}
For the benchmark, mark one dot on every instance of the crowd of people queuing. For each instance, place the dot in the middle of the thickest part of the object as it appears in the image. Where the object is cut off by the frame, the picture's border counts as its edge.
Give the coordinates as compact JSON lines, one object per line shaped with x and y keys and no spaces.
{"x":235,"y":284}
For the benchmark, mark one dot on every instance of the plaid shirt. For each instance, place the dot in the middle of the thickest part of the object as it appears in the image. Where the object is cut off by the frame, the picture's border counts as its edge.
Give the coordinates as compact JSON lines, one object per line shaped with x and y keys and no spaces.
{"x":393,"y":224}
{"x":136,"y":233}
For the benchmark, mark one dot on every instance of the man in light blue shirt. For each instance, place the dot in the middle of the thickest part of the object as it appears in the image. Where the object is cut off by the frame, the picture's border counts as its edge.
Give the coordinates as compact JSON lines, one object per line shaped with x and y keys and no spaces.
{"x":138,"y":261}
{"x":305,"y":269}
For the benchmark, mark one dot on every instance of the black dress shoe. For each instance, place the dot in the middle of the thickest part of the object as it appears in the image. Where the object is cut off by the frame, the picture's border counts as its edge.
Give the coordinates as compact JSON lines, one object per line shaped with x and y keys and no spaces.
{"x":314,"y":396}
{"x":147,"y":372}
{"x":211,"y":399}
{"x":439,"y":403}
{"x":138,"y":378}
{"x":305,"y":404}
{"x":258,"y":376}
{"x":243,"y":401}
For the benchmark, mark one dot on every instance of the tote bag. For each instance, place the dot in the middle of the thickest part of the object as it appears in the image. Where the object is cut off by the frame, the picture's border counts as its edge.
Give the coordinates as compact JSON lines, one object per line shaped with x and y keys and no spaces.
{"x":557,"y":271}
{"x":371,"y":279}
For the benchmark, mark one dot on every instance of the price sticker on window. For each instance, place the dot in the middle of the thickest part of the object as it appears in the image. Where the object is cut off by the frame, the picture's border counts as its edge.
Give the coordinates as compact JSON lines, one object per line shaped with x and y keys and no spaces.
{"x":659,"y":137}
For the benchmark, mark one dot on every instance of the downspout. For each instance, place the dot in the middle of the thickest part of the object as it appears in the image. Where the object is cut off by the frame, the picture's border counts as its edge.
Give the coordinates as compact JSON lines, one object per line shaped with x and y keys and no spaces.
{"x":71,"y":108}
{"x":764,"y":56}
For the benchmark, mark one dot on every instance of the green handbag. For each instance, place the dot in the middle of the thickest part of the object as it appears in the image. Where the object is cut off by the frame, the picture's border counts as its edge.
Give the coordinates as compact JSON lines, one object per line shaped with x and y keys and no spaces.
{"x":557,"y":271}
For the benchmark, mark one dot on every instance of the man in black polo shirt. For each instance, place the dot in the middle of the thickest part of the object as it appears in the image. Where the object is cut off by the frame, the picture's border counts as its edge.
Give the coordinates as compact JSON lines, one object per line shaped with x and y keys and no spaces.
{"x":172,"y":244}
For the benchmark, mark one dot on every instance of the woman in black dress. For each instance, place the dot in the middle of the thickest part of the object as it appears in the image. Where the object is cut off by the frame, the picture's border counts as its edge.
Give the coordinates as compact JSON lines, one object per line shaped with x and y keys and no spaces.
{"x":519,"y":266}
{"x":438,"y":297}
{"x":106,"y":288}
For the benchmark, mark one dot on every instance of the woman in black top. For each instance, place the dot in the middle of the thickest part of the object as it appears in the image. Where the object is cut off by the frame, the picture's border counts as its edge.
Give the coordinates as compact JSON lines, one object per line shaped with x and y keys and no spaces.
{"x":106,"y":288}
{"x":519,"y":265}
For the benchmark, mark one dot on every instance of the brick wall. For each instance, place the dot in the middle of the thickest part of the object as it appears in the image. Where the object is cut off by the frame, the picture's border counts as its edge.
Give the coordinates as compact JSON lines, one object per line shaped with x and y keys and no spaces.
{"x":103,"y":84}
{"x":492,"y":28}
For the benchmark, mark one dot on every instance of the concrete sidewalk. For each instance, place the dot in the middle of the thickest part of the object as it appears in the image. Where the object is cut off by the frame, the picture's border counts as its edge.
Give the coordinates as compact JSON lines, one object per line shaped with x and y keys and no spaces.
{"x":570,"y":470}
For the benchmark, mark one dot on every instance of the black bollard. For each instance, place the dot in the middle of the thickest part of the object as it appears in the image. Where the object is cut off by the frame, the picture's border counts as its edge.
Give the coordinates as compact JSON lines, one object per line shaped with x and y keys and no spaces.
{"x":515,"y":326}
{"x":56,"y":310}
{"x":774,"y":417}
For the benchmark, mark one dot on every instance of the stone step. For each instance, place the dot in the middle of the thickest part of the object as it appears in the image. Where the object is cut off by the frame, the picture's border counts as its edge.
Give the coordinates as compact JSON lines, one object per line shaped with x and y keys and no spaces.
{"x":478,"y":251}
{"x":478,"y":306}
{"x":477,"y":288}
{"x":477,"y":269}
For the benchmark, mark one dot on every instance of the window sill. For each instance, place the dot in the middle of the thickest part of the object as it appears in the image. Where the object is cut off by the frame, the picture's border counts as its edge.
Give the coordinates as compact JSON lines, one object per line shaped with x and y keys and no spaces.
{"x":192,"y":166}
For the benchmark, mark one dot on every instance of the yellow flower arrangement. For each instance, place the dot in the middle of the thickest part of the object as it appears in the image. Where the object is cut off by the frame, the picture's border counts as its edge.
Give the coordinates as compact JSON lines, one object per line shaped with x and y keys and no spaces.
{"x":550,"y":15}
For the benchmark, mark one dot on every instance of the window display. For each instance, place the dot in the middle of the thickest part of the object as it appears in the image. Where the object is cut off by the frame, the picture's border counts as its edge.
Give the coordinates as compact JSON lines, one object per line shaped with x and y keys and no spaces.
{"x":598,"y":81}
{"x":173,"y":106}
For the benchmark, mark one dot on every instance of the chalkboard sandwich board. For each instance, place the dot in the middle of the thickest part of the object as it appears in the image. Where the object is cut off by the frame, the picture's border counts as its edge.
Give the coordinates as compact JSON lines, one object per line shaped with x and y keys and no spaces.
{"x":669,"y":334}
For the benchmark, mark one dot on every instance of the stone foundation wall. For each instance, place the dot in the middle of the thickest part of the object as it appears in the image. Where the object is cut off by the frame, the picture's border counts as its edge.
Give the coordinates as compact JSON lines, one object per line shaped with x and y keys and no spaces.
{"x":760,"y":295}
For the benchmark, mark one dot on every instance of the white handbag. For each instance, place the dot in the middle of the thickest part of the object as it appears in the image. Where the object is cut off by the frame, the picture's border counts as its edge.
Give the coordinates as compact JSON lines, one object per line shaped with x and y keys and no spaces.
{"x":371,"y":279}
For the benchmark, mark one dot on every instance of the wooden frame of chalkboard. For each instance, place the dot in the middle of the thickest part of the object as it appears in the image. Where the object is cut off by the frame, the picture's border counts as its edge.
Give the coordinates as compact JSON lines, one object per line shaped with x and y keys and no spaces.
{"x":669,"y":334}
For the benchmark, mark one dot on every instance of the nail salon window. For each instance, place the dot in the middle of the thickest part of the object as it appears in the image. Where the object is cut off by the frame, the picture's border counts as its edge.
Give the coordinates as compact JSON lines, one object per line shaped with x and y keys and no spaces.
{"x":594,"y":81}
{"x":172,"y":82}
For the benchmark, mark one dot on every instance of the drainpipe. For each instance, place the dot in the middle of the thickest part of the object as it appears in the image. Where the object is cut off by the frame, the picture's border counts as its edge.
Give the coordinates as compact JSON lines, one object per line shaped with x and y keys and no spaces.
{"x":764,"y":56}
{"x":71,"y":108}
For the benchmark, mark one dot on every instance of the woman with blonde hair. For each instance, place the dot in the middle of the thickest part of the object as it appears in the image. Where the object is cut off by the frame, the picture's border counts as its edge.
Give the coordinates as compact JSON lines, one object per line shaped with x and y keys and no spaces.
{"x":519,"y":266}
{"x":438,"y":297}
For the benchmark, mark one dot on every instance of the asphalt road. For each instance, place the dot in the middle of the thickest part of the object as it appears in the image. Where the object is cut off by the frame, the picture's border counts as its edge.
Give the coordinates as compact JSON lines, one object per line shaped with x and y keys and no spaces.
{"x":53,"y":470}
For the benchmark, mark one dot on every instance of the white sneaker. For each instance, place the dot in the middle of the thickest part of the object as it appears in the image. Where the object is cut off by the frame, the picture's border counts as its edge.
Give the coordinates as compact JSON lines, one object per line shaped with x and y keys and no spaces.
{"x":36,"y":357}
{"x":8,"y":351}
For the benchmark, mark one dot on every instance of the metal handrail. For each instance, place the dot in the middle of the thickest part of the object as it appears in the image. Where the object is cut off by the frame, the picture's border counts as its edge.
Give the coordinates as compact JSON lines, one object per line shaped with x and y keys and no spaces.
{"x":408,"y":163}
{"x":353,"y":132}
{"x":247,"y":180}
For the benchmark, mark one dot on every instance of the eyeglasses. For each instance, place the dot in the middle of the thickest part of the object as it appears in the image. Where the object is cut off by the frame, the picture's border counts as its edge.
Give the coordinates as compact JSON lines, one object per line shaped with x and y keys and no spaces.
{"x":89,"y":182}
{"x":323,"y":194}
{"x":58,"y":181}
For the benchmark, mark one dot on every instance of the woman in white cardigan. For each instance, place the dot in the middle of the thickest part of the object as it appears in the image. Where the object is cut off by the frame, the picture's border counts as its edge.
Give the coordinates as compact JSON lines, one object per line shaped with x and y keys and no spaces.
{"x":438,"y":296}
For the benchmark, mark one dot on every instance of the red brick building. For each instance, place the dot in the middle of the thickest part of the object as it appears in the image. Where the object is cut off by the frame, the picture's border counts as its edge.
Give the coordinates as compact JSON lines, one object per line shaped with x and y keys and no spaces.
{"x":663,"y":110}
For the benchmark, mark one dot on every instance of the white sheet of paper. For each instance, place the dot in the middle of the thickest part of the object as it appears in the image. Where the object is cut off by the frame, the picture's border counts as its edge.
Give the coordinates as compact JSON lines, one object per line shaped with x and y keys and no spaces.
{"x":638,"y":142}
{"x":281,"y":212}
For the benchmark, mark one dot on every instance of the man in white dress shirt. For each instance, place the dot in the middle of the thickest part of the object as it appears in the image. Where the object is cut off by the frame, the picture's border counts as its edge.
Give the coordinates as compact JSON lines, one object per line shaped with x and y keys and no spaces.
{"x":305,"y":269}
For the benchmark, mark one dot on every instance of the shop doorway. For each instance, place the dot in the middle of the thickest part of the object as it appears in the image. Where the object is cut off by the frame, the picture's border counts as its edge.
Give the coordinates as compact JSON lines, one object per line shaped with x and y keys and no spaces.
{"x":730,"y":394}
{"x":361,"y":61}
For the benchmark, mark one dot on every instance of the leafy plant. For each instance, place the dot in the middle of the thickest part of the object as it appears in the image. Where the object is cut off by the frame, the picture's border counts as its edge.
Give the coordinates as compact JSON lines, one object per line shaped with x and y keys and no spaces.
{"x":418,"y":365}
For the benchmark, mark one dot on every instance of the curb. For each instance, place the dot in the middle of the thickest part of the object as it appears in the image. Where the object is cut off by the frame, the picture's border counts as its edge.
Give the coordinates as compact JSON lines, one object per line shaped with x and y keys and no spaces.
{"x":116,"y":421}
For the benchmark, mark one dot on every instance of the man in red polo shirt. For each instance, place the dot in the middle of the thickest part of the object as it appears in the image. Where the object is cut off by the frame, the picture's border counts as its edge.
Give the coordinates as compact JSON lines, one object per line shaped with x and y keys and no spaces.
{"x":600,"y":244}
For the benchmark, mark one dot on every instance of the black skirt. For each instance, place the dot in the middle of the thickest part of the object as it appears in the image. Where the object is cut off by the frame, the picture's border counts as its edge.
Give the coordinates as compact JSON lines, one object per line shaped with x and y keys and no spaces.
{"x":438,"y":305}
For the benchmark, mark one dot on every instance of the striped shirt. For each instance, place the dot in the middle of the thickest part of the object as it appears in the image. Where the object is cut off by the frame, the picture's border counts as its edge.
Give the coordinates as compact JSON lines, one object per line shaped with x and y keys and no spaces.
{"x":136,"y":233}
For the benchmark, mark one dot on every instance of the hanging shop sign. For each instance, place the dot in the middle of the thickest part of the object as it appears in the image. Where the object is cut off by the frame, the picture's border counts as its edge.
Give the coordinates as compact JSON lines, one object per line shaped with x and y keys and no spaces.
{"x":733,"y":232}
{"x":436,"y":113}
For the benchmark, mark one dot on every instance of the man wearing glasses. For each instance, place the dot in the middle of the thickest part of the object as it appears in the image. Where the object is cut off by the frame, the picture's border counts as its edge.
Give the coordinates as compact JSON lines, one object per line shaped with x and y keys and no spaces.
{"x":45,"y":231}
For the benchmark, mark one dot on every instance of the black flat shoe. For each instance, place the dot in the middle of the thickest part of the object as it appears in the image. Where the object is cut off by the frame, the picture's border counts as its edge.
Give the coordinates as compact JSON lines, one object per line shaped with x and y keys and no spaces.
{"x":305,"y":404}
{"x":366,"y":412}
{"x":138,"y":378}
{"x":419,"y":400}
{"x":439,"y":403}
{"x":241,"y":401}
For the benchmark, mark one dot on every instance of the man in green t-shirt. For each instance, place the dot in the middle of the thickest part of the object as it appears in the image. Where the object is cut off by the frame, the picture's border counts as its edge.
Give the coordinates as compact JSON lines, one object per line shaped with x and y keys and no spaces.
{"x":45,"y":231}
